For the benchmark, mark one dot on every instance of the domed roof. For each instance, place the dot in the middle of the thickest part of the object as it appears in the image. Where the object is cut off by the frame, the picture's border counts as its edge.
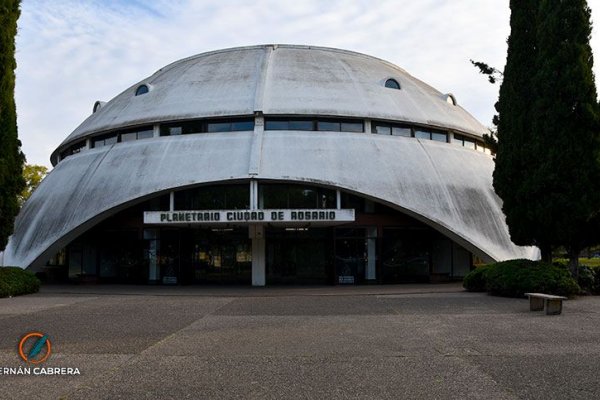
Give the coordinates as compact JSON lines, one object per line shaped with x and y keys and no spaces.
{"x":279,"y":80}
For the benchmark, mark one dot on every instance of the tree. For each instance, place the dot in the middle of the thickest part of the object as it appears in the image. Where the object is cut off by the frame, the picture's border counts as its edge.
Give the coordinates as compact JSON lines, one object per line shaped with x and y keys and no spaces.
{"x":494,"y":76}
{"x":566,"y":131}
{"x":11,"y":157}
{"x":515,"y":154}
{"x":33,"y":175}
{"x":548,"y":162}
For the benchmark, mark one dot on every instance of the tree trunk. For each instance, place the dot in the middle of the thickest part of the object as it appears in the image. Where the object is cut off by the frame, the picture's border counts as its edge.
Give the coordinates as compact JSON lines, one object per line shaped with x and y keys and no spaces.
{"x":574,"y":262}
{"x":546,"y":251}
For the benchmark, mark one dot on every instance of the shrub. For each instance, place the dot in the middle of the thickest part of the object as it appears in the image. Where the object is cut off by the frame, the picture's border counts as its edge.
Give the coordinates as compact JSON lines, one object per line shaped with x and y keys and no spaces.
{"x":475,"y":281}
{"x":15,"y":281}
{"x":514,"y":278}
{"x":589,"y":279}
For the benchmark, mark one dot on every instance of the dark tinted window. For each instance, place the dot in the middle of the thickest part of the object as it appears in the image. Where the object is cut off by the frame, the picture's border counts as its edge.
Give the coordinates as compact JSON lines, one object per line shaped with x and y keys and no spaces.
{"x":202,"y":126}
{"x":218,"y":127}
{"x":301,"y":125}
{"x":296,"y":196}
{"x":218,"y":197}
{"x":145,"y":134}
{"x":242,"y":125}
{"x":352,"y":127}
{"x":421,"y":134}
{"x":126,"y":137}
{"x":381,"y":129}
{"x":401,"y":131}
{"x":333,"y":125}
{"x":275,"y":125}
{"x":104,"y":140}
{"x":73,"y":149}
{"x":328,"y":126}
{"x":439,"y":136}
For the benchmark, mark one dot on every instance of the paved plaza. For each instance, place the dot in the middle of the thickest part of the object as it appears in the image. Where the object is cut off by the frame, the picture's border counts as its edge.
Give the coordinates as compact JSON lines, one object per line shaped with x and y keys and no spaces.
{"x":396,"y":342}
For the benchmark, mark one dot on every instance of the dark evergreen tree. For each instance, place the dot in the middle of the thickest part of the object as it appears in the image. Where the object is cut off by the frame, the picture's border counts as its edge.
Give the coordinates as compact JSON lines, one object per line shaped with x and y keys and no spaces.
{"x":515,"y":154}
{"x":548,"y":160}
{"x":564,"y":183}
{"x":11,"y":157}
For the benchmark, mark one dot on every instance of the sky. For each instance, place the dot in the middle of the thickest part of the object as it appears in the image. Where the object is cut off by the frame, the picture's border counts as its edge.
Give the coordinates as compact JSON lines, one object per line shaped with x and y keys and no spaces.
{"x":71,"y":53}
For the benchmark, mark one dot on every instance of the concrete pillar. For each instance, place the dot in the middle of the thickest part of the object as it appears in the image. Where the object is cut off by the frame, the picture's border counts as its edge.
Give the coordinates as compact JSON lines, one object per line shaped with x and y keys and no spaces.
{"x":156,"y":130}
{"x":254,"y":195}
{"x":371,"y":253}
{"x":259,"y":275}
{"x":338,"y":199}
{"x":172,"y":201}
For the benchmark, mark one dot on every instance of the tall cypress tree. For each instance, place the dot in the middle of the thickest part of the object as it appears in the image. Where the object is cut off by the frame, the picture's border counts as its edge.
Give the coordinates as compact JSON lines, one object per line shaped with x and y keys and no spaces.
{"x":547,"y":166}
{"x":11,"y":157}
{"x":515,"y":152}
{"x":565,"y":181}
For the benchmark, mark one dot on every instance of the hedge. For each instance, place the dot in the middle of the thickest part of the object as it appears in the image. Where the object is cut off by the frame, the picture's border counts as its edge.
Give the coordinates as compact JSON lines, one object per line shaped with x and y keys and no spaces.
{"x":514,"y":278}
{"x":15,"y":281}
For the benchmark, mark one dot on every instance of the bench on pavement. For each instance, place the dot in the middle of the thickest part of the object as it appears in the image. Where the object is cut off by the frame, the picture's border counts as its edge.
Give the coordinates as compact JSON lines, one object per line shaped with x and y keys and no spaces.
{"x":540,"y":301}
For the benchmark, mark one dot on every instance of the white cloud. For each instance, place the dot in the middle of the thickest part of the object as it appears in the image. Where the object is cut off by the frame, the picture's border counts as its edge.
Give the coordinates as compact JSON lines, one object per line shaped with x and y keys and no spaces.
{"x":71,"y":53}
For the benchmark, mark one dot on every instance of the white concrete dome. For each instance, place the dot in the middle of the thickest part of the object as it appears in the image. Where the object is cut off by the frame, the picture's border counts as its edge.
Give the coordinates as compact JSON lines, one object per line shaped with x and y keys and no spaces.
{"x":279,"y":80}
{"x":445,"y":186}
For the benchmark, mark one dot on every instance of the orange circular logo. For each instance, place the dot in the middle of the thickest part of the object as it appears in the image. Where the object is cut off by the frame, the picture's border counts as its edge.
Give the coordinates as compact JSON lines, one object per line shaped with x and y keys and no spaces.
{"x":35,"y":347}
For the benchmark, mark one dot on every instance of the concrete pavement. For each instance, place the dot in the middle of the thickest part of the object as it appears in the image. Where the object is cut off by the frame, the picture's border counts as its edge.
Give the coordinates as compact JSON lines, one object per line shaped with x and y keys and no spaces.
{"x":415,"y":341}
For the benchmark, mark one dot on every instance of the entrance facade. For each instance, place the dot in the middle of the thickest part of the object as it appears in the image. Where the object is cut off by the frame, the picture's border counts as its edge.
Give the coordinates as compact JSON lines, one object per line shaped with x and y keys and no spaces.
{"x":317,"y":236}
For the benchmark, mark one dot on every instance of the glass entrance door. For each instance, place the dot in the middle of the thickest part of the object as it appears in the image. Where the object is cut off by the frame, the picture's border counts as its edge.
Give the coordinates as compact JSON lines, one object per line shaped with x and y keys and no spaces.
{"x":406,"y":255}
{"x":350,"y":255}
{"x":217,"y":256}
{"x":299,"y":256}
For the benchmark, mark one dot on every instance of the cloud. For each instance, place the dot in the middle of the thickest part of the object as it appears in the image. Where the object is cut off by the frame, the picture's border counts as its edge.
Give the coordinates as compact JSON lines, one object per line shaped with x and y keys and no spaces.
{"x":72,"y":53}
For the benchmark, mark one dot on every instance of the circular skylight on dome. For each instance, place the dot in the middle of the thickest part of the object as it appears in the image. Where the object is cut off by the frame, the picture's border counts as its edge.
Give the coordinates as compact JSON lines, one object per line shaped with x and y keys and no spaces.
{"x":392,"y":84}
{"x":142,"y":89}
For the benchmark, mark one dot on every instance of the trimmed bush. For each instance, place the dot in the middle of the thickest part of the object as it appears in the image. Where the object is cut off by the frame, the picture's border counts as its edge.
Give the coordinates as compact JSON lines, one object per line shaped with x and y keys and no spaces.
{"x":589,"y":279}
{"x":15,"y":281}
{"x":514,"y":278}
{"x":475,"y":280}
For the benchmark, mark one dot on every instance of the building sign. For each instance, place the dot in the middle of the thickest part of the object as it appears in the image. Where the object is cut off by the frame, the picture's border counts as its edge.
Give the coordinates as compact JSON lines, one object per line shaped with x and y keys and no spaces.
{"x":244,"y":217}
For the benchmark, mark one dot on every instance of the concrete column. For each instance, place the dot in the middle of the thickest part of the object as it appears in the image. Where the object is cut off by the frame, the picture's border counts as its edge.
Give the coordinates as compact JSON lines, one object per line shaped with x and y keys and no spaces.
{"x":256,"y":146}
{"x":253,"y":195}
{"x":338,"y":199}
{"x":156,"y":130}
{"x":153,"y":272}
{"x":367,"y":126}
{"x":371,"y":253}
{"x":88,"y":143}
{"x":172,"y":201}
{"x":259,"y":276}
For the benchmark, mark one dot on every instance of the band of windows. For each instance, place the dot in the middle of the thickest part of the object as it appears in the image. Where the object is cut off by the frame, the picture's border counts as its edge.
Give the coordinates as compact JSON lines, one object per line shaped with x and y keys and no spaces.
{"x":314,"y":124}
{"x":206,"y":126}
{"x":471,"y":143}
{"x":384,"y":128}
{"x":273,"y":124}
{"x":123,"y":136}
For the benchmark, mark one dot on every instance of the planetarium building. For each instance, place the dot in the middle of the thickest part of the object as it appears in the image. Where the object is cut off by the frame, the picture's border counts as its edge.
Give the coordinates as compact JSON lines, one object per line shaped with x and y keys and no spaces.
{"x":269,"y":164}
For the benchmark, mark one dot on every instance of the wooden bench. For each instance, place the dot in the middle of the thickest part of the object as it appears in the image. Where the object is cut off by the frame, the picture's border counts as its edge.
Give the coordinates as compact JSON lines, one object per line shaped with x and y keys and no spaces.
{"x":539,"y":301}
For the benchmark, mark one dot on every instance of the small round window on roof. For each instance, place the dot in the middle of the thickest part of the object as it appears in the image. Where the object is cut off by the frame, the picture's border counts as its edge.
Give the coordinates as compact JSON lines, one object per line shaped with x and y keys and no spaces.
{"x":450,"y":99}
{"x":142,"y":89}
{"x":392,"y":84}
{"x":98,"y":105}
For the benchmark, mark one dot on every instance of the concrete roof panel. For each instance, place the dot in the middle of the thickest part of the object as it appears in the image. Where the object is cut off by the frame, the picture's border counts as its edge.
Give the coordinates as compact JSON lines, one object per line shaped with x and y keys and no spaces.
{"x":445,"y":186}
{"x":278,"y":79}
